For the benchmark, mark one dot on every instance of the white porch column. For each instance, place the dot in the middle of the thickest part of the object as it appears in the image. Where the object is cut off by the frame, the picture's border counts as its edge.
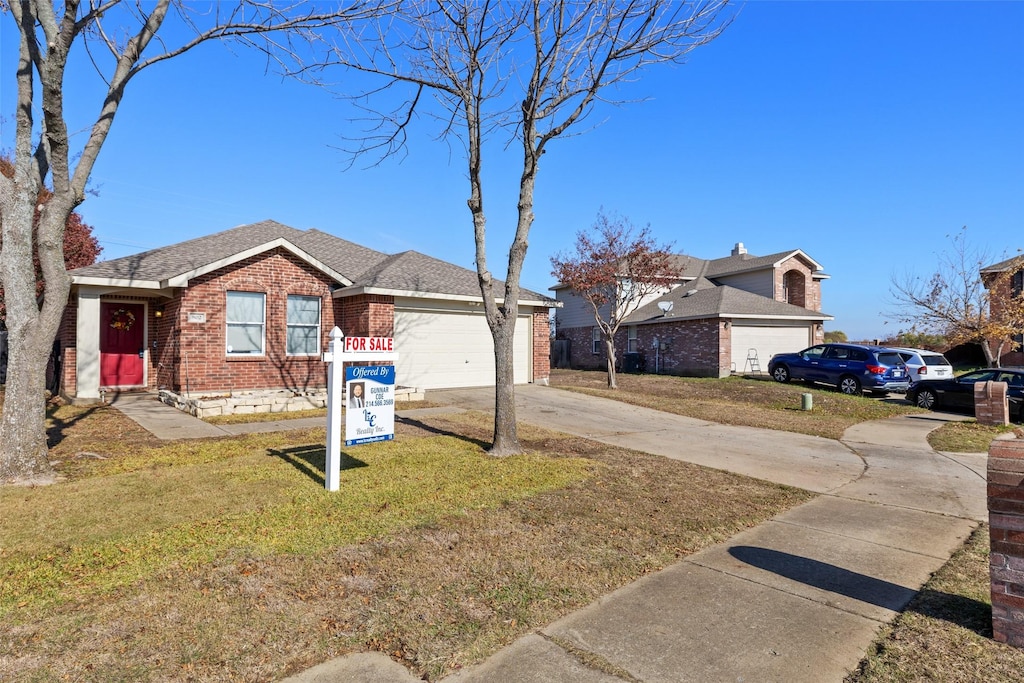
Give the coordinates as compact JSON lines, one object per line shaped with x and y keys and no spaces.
{"x":87,"y":355}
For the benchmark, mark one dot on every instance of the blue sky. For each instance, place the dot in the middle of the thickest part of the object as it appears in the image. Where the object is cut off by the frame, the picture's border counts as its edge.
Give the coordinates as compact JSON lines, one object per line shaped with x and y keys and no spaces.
{"x":863,"y":133}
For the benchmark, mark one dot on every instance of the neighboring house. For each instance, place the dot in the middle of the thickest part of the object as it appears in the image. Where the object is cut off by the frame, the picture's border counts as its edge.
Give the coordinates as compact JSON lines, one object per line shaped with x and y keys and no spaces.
{"x":1015,"y":285}
{"x":251,"y":309}
{"x":725,"y":315}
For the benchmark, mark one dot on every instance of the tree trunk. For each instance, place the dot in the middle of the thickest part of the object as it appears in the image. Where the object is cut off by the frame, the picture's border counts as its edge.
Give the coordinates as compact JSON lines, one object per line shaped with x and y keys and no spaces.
{"x":23,"y":448}
{"x":23,"y":455}
{"x":609,"y":345}
{"x":506,"y":438}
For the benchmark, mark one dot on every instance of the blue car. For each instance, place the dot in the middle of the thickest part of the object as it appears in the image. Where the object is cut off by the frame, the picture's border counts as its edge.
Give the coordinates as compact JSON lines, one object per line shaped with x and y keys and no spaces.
{"x":852,"y":368}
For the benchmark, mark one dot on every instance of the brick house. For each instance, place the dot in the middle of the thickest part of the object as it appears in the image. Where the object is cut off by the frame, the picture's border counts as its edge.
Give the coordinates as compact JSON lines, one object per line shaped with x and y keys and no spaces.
{"x":251,"y":308}
{"x":724,"y":315}
{"x":1007,"y":277}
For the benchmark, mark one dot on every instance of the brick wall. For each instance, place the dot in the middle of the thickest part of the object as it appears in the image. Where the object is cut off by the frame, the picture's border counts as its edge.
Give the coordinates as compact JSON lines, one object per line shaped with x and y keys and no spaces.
{"x":195,"y":353}
{"x":805,"y":290}
{"x":541,"y":345}
{"x":990,"y":404}
{"x":366,"y":315}
{"x":66,"y":335}
{"x":699,"y":348}
{"x":1006,"y":539}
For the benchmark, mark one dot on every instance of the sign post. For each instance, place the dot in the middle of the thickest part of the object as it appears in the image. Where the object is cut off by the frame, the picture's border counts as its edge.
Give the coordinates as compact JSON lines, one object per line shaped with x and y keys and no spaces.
{"x":373,"y":417}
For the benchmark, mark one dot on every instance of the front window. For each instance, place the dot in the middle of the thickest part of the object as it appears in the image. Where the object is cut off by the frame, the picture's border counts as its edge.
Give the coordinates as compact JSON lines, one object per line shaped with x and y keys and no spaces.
{"x":246,"y":316}
{"x":596,"y":340}
{"x":631,"y":340}
{"x":303,"y":325}
{"x":814,"y":352}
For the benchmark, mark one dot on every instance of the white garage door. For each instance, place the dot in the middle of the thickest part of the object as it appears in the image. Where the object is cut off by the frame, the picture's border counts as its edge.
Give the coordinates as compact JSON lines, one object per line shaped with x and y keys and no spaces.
{"x":765,"y":341}
{"x":445,"y":349}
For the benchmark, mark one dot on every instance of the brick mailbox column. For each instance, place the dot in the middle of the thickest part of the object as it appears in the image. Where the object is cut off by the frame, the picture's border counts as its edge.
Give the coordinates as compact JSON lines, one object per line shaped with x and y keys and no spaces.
{"x":990,"y":404}
{"x":1006,"y":537}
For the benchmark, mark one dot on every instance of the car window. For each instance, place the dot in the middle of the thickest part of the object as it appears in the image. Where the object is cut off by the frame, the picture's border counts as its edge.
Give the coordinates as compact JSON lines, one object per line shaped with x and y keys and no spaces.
{"x":1012,"y":378}
{"x":935,"y":360}
{"x":813,"y":352}
{"x":905,"y":355}
{"x":890,"y":358}
{"x":837,"y":353}
{"x":979,"y":376}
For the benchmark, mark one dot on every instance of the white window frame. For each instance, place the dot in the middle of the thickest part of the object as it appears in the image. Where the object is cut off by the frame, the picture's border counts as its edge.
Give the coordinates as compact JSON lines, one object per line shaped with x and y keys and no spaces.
{"x":596,"y":340}
{"x":632,"y":340}
{"x":228,"y":324}
{"x":289,"y":325}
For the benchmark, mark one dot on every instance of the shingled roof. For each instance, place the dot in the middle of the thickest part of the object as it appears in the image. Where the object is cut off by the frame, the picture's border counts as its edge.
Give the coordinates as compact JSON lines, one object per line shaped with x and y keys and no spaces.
{"x":1016,"y":262}
{"x":165,"y":263}
{"x":354,"y":266}
{"x":704,"y":299}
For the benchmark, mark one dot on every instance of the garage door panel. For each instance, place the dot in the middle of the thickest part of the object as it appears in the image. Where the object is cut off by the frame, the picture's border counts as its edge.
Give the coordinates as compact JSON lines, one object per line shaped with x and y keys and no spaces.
{"x":765,"y":341}
{"x":451,"y":349}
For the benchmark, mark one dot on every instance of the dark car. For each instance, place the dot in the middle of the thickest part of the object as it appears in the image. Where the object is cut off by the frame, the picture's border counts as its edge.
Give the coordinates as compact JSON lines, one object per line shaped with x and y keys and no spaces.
{"x":850,"y":367}
{"x":958,"y":392}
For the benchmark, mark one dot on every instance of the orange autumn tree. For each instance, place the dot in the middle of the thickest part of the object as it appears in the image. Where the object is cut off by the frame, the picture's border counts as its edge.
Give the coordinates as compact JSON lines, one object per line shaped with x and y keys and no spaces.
{"x":616,"y":268}
{"x":965,"y":300}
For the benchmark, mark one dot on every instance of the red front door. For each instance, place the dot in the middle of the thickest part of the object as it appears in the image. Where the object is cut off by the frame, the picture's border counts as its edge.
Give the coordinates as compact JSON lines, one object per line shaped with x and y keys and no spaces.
{"x":122,"y":345}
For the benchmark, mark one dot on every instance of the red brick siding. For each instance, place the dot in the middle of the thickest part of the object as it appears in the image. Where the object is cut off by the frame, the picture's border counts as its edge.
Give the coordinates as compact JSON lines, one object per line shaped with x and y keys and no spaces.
{"x":990,"y":404}
{"x":66,"y":335}
{"x":1006,"y":539}
{"x":805,"y":290}
{"x":692,"y":347}
{"x":367,"y":315}
{"x":196,"y":352}
{"x":541,"y":344}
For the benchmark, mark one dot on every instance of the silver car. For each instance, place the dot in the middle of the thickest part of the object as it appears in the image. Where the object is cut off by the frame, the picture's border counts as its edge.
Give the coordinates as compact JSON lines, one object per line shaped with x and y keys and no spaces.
{"x":923,"y":364}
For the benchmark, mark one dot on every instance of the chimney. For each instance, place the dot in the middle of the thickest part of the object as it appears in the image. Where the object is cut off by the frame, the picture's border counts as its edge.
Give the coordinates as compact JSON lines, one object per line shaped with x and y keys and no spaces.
{"x":739,"y":249}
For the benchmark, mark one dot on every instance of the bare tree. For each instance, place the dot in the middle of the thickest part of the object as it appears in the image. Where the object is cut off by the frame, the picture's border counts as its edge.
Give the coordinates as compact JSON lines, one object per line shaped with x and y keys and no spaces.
{"x":121,"y":38}
{"x":963,"y":302}
{"x":616,"y":269}
{"x":530,"y":70}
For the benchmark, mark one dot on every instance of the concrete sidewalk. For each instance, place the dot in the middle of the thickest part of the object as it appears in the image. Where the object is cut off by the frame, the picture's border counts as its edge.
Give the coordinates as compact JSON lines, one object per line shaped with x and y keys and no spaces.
{"x":797,"y":598}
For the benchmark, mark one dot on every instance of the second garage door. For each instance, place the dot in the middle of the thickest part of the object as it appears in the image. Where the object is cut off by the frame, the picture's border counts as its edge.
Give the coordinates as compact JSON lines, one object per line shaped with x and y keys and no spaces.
{"x":441,"y":349}
{"x":758,"y":343}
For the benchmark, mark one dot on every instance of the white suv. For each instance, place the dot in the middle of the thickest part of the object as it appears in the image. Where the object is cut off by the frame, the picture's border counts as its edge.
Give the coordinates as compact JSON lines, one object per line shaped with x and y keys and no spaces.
{"x":923,"y":364}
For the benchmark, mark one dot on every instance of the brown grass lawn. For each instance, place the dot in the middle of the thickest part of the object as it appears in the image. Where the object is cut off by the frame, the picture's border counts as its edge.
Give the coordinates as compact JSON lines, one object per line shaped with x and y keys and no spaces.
{"x":225,"y":559}
{"x":738,"y":401}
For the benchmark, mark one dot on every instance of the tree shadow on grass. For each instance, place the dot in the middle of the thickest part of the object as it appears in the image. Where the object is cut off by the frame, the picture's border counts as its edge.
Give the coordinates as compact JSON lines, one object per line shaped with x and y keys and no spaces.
{"x":442,"y":432}
{"x":56,"y":428}
{"x":311,"y":460}
{"x":962,"y":611}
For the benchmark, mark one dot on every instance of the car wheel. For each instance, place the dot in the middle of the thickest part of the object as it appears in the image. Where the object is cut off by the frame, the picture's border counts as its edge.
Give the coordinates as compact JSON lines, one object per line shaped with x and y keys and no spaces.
{"x":926,"y":399}
{"x":780,"y":374}
{"x":849,"y":385}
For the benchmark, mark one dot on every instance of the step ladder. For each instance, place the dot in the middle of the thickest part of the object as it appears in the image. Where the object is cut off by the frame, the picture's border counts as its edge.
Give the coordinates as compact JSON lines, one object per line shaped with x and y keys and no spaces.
{"x":752,"y":362}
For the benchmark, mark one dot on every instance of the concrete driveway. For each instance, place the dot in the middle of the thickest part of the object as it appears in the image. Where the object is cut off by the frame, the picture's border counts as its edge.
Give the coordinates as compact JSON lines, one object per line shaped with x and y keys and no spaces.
{"x":886,"y":461}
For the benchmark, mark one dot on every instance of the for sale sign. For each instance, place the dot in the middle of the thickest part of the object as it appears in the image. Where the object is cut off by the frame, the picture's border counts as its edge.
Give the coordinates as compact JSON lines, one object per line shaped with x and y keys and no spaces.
{"x":369,"y":344}
{"x":370,"y":413}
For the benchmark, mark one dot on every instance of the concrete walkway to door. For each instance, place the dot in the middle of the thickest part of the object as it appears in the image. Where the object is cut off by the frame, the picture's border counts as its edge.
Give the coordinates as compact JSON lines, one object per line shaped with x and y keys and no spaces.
{"x":797,"y":598}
